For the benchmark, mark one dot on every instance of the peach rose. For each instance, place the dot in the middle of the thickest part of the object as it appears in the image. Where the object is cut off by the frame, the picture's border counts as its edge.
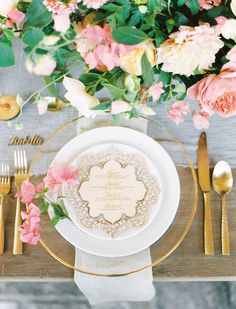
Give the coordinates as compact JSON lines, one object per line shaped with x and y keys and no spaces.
{"x":217,"y":93}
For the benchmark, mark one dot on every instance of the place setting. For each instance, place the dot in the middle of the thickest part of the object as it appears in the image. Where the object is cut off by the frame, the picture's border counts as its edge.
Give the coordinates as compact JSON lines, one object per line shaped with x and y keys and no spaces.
{"x":109,"y":195}
{"x":117,"y":160}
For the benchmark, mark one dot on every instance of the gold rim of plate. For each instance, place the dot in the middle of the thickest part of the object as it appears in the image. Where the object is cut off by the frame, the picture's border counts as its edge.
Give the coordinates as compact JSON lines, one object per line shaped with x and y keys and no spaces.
{"x":153,"y":263}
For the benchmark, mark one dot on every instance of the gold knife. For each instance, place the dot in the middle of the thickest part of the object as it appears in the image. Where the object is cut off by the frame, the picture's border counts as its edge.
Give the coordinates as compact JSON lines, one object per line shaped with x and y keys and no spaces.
{"x":204,"y":181}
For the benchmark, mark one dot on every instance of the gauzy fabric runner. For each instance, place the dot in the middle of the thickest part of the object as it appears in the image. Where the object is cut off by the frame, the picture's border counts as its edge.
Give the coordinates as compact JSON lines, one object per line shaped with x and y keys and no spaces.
{"x":135,"y":287}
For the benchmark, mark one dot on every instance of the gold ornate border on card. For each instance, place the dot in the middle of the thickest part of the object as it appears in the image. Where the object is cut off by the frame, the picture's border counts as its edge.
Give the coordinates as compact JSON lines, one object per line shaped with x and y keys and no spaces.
{"x":170,"y":250}
{"x":142,"y":175}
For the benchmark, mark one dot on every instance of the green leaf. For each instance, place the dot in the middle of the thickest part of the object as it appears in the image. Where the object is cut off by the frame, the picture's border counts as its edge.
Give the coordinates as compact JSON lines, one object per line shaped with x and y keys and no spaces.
{"x":165,"y":77}
{"x":160,"y":37}
{"x":7,"y":57}
{"x":44,"y":205}
{"x":150,"y":18}
{"x":170,"y":23}
{"x":180,"y":19}
{"x":181,"y":2}
{"x":102,"y":106}
{"x":128,"y":35}
{"x":51,"y":86}
{"x":55,"y":220}
{"x":147,"y":72}
{"x":135,"y":19}
{"x":33,"y":36}
{"x":116,"y":92}
{"x":194,"y":6}
{"x":9,"y":34}
{"x":88,"y":78}
{"x":38,"y":15}
{"x":111,"y":7}
{"x":216,"y":11}
{"x":116,"y":118}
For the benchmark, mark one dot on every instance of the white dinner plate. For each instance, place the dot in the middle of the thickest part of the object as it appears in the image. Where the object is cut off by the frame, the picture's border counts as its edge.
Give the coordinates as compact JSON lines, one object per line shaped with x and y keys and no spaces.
{"x":170,"y":192}
{"x":152,"y":209}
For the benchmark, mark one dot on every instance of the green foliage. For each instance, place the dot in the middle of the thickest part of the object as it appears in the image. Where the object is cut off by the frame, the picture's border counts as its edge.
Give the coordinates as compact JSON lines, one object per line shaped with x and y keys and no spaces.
{"x":193,"y":6}
{"x":60,"y":213}
{"x":128,"y":35}
{"x":147,"y":72}
{"x":38,"y":15}
{"x":33,"y":36}
{"x":7,"y":57}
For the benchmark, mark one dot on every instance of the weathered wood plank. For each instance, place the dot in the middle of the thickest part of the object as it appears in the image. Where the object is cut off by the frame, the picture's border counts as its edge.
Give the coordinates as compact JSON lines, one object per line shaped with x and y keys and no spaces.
{"x":187,"y":262}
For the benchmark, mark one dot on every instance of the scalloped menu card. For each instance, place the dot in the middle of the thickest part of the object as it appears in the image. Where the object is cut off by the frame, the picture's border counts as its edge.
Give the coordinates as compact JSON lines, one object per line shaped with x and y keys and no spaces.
{"x":114,"y":191}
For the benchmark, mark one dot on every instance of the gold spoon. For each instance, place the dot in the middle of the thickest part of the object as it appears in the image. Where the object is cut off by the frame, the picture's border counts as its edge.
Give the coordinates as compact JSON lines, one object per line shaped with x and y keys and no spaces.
{"x":222,"y":183}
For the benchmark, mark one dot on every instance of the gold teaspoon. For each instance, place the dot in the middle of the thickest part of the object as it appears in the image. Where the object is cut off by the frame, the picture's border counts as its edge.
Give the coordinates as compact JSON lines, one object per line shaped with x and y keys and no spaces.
{"x":222,"y":183}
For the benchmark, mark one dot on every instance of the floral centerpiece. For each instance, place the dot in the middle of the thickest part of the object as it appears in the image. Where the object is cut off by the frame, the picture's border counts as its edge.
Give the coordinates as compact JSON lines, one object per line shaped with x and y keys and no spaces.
{"x":140,"y":51}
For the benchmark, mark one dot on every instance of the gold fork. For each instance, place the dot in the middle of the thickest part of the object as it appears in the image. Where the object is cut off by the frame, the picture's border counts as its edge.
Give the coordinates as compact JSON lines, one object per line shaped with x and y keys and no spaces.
{"x":4,"y":190}
{"x":20,"y":175}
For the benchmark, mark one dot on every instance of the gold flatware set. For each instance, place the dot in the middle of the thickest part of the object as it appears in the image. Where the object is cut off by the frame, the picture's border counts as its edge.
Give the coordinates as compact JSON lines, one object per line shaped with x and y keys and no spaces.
{"x":21,"y":172}
{"x":222,"y":181}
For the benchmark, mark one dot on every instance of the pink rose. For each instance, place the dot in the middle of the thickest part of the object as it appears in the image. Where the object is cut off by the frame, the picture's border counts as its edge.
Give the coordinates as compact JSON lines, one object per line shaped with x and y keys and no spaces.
{"x":178,"y":111}
{"x":217,"y":93}
{"x":59,"y":175}
{"x":29,"y":230}
{"x":208,"y":4}
{"x":156,"y":90}
{"x":201,"y":120}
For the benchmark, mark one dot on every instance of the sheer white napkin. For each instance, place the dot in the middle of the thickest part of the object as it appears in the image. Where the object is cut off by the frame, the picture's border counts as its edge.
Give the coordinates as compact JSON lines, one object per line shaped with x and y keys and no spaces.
{"x":135,"y":287}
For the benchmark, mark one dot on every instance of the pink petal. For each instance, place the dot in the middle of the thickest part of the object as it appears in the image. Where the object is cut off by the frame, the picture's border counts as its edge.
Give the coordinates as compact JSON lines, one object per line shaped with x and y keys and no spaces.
{"x":16,"y":16}
{"x":61,"y":22}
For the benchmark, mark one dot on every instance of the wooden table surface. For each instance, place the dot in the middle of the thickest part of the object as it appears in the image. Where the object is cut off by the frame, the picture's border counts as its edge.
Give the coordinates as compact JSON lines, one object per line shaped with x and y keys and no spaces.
{"x":188,"y":262}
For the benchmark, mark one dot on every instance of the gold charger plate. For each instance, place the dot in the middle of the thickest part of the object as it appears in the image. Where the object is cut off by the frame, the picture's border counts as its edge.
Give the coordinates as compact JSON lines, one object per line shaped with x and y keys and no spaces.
{"x":169,"y":241}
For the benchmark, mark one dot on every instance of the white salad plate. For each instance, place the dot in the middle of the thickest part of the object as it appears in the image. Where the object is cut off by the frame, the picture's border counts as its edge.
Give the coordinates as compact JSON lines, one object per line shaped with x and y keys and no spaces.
{"x":152,"y":209}
{"x":164,"y":170}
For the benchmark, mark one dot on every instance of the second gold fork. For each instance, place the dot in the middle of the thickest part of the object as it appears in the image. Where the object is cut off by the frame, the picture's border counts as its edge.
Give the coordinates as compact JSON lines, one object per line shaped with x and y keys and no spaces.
{"x":20,"y":175}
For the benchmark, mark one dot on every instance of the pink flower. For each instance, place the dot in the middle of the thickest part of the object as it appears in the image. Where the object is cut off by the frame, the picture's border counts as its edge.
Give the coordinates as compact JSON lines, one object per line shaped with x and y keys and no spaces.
{"x":177,"y":112}
{"x":201,"y":120}
{"x":156,"y":90}
{"x":94,"y":4}
{"x":208,"y":4}
{"x":29,"y":230}
{"x":59,"y":175}
{"x":217,"y":93}
{"x":61,"y":22}
{"x":16,"y":16}
{"x":43,"y":105}
{"x":27,"y":193}
{"x":98,"y":48}
{"x":220,"y":22}
{"x":94,"y":34}
{"x":60,"y":6}
{"x":40,"y":187}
